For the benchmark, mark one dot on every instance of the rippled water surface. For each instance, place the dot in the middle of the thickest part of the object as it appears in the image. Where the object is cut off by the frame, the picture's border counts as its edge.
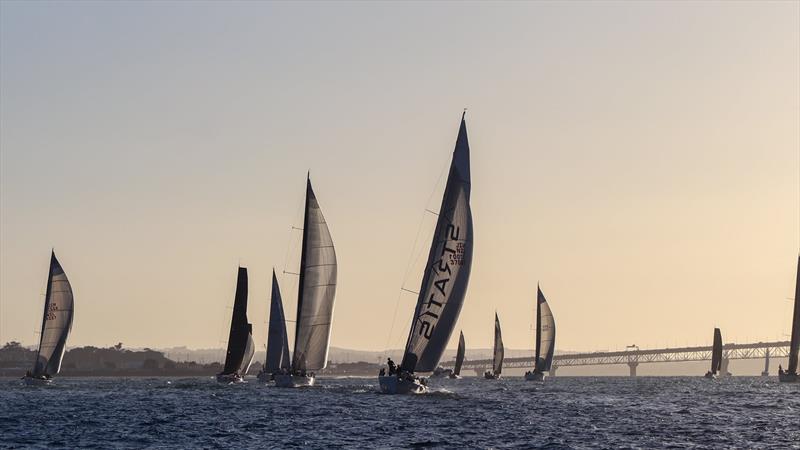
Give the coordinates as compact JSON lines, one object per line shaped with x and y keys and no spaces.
{"x":511,"y":413}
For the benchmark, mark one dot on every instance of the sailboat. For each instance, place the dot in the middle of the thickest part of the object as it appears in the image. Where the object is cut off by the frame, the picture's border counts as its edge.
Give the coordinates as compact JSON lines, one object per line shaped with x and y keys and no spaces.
{"x":456,"y":373}
{"x":545,"y":338}
{"x":315,"y":298}
{"x":765,"y":372}
{"x":790,"y":375}
{"x":241,"y":347}
{"x":497,"y":359}
{"x":56,"y":325}
{"x":444,"y":283}
{"x":277,"y":338}
{"x":716,"y":355}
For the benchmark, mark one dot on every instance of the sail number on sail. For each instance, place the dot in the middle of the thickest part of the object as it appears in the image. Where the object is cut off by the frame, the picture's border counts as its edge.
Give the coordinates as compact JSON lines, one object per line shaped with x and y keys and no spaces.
{"x":451,"y":255}
{"x":51,"y":311}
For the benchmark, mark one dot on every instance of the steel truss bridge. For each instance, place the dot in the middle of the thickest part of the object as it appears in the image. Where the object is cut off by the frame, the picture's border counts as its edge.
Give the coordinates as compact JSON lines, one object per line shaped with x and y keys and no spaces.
{"x":633,"y":356}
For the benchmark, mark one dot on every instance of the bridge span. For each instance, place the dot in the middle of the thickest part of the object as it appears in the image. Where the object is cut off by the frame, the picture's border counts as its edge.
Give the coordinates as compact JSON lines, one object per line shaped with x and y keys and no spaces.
{"x":634,"y":356}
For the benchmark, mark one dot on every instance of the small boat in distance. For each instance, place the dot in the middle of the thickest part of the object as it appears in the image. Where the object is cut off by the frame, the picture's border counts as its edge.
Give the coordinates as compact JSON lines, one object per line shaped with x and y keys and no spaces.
{"x":497,"y":359}
{"x":716,"y":355}
{"x":56,"y":325}
{"x":315,"y":297}
{"x":241,"y":347}
{"x":277,"y":337}
{"x":790,"y":375}
{"x":456,"y":373}
{"x":545,"y":338}
{"x":444,"y":283}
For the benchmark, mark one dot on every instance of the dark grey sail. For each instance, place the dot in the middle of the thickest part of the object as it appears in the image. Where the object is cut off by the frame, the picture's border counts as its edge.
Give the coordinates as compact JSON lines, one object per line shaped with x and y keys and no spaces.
{"x":241,"y":330}
{"x":444,"y":283}
{"x":317,"y":289}
{"x":499,"y":352}
{"x":794,"y":344}
{"x":56,"y":321}
{"x":545,"y":333}
{"x":459,"y":355}
{"x":277,"y":337}
{"x":716,"y":352}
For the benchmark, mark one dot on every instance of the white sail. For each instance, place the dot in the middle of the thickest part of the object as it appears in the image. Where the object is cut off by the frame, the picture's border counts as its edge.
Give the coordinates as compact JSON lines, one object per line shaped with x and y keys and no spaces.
{"x":277,"y":339}
{"x":545,"y":334}
{"x":249,"y":353}
{"x":499,"y":351}
{"x":446,"y":277}
{"x":317,"y":289}
{"x":56,"y":322}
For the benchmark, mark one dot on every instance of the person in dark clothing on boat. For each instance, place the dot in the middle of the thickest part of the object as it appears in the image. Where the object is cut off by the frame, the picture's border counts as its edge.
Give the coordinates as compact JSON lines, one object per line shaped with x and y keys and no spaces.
{"x":392,"y":366}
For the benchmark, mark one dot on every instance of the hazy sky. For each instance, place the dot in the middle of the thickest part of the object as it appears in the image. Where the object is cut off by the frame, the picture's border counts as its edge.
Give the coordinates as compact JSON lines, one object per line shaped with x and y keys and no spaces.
{"x":640,"y":160}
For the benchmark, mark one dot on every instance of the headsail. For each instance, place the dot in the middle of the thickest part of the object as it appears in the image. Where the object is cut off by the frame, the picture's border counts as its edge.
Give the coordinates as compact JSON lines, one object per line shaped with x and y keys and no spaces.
{"x":317,"y":289}
{"x":716,"y":352}
{"x":545,"y":333}
{"x":444,"y":283}
{"x":56,"y":321}
{"x":277,"y":338}
{"x":459,"y":355}
{"x":794,"y":344}
{"x":249,"y":353}
{"x":497,"y":361}
{"x":240,"y":330}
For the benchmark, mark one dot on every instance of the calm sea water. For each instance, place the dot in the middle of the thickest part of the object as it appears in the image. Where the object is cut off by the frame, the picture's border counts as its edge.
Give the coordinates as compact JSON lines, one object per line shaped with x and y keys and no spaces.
{"x":473,"y":413}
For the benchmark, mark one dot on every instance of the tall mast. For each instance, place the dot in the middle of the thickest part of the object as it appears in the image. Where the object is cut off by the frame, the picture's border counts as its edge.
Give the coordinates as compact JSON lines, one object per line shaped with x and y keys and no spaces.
{"x":303,"y":256}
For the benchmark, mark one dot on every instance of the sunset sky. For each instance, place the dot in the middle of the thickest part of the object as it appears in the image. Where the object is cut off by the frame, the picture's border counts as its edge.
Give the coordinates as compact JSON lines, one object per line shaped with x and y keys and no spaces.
{"x":639,"y":160}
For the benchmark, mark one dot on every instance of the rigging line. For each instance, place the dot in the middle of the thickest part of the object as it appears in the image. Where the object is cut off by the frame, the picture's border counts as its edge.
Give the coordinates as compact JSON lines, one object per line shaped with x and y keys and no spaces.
{"x":411,"y":258}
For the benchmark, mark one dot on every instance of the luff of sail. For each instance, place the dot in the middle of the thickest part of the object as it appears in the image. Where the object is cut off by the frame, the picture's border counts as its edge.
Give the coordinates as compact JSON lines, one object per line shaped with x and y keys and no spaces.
{"x":459,"y":355}
{"x":545,"y":333}
{"x":277,"y":337}
{"x":241,"y":330}
{"x":56,"y":321}
{"x":794,"y":344}
{"x":499,"y":351}
{"x":716,"y":352}
{"x":317,"y":289}
{"x":444,"y":283}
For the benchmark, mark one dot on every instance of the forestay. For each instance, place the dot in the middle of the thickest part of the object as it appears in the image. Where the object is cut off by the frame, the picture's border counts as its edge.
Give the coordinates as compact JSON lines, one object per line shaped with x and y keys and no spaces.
{"x":444,"y":283}
{"x":794,"y":344}
{"x":545,"y":333}
{"x":499,"y":351}
{"x":317,"y":289}
{"x":277,"y":338}
{"x":56,"y":321}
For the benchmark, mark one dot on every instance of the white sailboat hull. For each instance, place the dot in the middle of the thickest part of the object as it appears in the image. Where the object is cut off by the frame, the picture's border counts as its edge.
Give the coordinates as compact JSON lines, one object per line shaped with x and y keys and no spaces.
{"x":293,"y":381}
{"x":390,"y":384}
{"x":534,"y":376}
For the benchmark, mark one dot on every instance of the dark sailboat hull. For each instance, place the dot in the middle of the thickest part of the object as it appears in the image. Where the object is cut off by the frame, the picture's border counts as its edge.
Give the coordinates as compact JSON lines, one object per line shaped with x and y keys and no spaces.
{"x":391,"y":384}
{"x":534,"y":376}
{"x":228,"y":378}
{"x":788,"y":377}
{"x":293,"y":381}
{"x":36,"y":381}
{"x":491,"y":375}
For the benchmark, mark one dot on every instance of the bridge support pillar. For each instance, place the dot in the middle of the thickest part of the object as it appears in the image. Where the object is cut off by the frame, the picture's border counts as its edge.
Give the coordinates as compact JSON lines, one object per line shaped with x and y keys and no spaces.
{"x":633,"y":365}
{"x":552,"y":371}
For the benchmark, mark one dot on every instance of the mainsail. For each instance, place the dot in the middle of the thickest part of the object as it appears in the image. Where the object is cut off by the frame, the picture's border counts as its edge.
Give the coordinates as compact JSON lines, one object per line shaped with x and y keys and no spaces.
{"x":56,"y":321}
{"x":497,"y":362}
{"x":794,"y":344}
{"x":317,"y":289}
{"x":545,"y":333}
{"x":277,"y":338}
{"x":444,"y":283}
{"x":241,"y":331}
{"x":459,"y":355}
{"x":716,"y":352}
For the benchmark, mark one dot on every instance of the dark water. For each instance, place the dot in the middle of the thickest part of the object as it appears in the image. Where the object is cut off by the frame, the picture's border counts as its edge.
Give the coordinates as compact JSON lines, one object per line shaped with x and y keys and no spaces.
{"x":561,"y":413}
